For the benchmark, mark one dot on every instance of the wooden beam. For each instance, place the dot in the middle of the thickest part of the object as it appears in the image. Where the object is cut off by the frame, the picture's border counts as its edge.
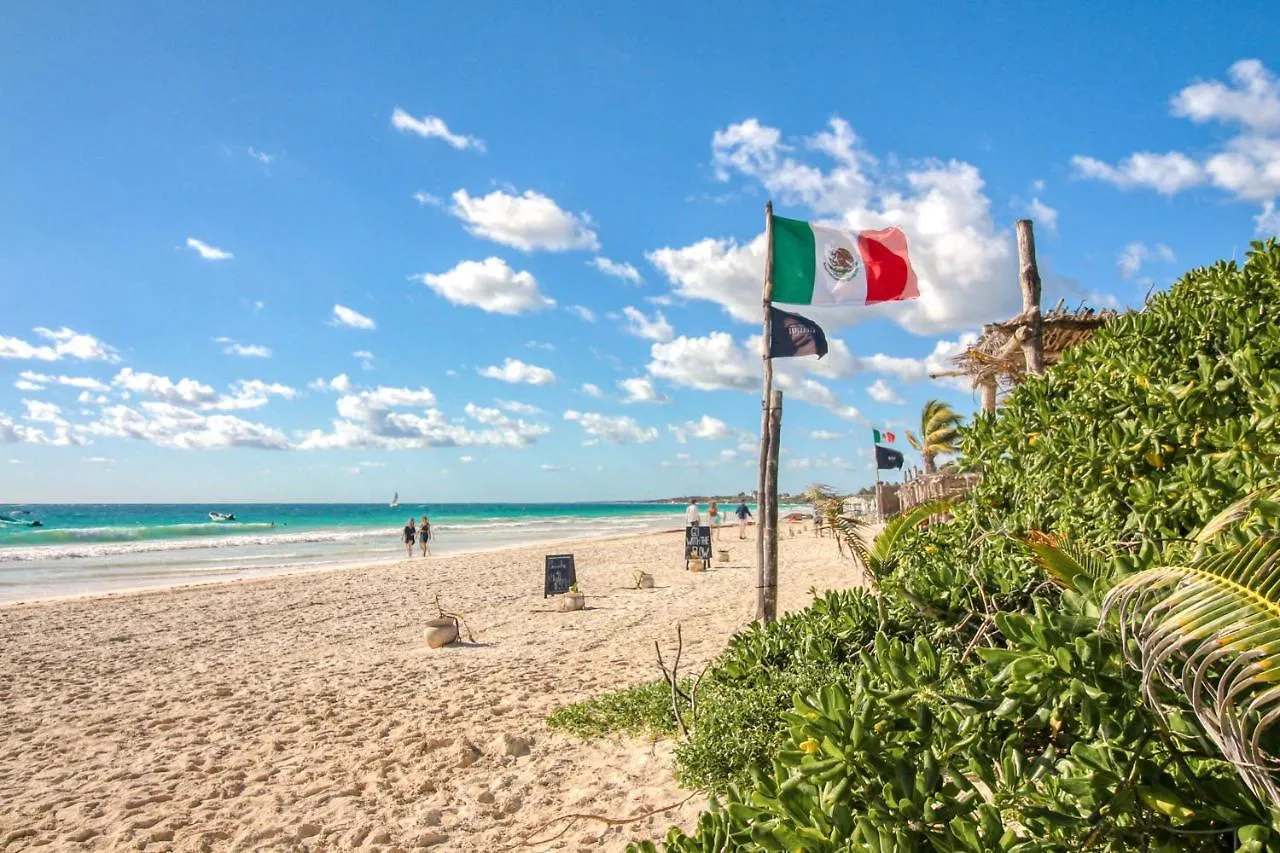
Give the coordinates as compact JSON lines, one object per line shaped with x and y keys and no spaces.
{"x":762,"y":491}
{"x":1031,"y":335}
{"x":987,"y":388}
{"x":769,"y":521}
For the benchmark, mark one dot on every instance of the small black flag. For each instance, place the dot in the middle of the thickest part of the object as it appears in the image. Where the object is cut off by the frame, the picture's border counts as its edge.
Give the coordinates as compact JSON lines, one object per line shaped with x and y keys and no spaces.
{"x":887,"y":457}
{"x":794,"y":335}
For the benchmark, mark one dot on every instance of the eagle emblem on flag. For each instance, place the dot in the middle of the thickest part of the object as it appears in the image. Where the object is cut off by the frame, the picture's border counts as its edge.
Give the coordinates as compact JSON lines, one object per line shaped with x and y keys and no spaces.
{"x":840,"y":263}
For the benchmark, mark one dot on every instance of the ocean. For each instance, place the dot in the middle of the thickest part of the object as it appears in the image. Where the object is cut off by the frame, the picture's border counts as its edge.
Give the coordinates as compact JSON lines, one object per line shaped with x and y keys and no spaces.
{"x":97,"y":548}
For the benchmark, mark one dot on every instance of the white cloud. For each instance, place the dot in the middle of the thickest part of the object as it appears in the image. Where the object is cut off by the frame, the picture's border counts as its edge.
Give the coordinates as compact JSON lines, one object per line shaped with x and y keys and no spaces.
{"x":466,"y":459}
{"x":232,"y":347}
{"x":710,"y":363}
{"x":825,"y":435}
{"x":1134,"y":255}
{"x":368,"y":419}
{"x":100,"y":460}
{"x":963,"y":261}
{"x":169,"y":425}
{"x":427,"y":199}
{"x":1247,"y":165}
{"x":542,"y":345}
{"x":1267,"y":222}
{"x":344,"y":316}
{"x":617,"y":269}
{"x":66,"y":343}
{"x":490,"y":285}
{"x":185,"y":392}
{"x":1043,"y":214}
{"x":592,"y":390}
{"x":549,"y":467}
{"x":515,"y":371}
{"x":366,"y":358}
{"x":252,"y":394}
{"x":41,"y":412}
{"x":518,"y":408}
{"x":87,"y":398}
{"x":261,"y":156}
{"x":706,"y":428}
{"x":27,"y":385}
{"x":582,"y":313}
{"x":882,"y":393}
{"x":1167,"y":174}
{"x":83,"y":382}
{"x":614,"y":430}
{"x":430,"y":127}
{"x":209,"y":253}
{"x":339,"y":383}
{"x":526,"y":222}
{"x":12,"y":432}
{"x":641,"y":390}
{"x":657,"y":329}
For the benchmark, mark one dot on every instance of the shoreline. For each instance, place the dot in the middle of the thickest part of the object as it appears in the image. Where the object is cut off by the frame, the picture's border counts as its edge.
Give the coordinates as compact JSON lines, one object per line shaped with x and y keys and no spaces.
{"x":307,"y":711}
{"x":356,"y":565}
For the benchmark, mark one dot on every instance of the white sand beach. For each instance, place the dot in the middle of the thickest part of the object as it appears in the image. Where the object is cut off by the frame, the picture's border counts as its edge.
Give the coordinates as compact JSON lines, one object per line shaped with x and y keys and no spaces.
{"x":307,"y":712}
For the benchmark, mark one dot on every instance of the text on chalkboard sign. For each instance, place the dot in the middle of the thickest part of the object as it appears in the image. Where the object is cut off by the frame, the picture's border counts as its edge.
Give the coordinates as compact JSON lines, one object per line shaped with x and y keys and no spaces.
{"x":560,"y":574}
{"x":697,"y":543}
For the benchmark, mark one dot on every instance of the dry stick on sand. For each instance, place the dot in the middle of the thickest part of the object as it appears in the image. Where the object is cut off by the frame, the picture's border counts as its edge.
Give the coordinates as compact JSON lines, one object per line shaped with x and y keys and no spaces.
{"x":611,"y":821}
{"x":471,"y":638}
{"x":672,"y":677}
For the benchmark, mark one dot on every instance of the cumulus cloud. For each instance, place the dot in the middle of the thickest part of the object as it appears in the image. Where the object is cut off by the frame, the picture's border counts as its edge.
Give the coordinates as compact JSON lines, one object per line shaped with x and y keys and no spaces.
{"x":640,"y":390}
{"x":825,"y":435}
{"x":708,"y":363}
{"x":1246,"y":164}
{"x":490,"y":285}
{"x":1043,"y":214}
{"x":706,"y":428}
{"x":185,"y":392}
{"x":344,"y":316}
{"x":62,"y":343}
{"x":13,"y":432}
{"x":232,"y":347}
{"x":583,"y":313}
{"x":657,"y":329}
{"x":882,"y":393}
{"x":515,"y":371}
{"x":1134,"y":255}
{"x":592,"y":390}
{"x":518,"y":408}
{"x":432,"y":127}
{"x":209,"y":253}
{"x":169,"y":425}
{"x":963,"y":260}
{"x":528,"y":221}
{"x":614,"y":430}
{"x":339,"y":383}
{"x":370,"y":419}
{"x":617,"y":269}
{"x":84,"y":382}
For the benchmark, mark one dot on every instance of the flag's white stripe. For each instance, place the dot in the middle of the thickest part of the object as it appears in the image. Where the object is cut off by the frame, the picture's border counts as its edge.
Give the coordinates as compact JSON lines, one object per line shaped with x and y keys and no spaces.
{"x":826,"y":288}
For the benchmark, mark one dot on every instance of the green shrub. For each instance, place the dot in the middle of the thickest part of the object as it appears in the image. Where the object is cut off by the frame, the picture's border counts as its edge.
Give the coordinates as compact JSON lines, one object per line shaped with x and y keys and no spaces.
{"x":985,"y":708}
{"x":643,"y":709}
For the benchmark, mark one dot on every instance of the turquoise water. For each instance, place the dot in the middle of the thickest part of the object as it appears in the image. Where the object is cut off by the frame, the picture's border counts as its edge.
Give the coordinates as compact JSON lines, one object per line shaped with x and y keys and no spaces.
{"x":90,"y":548}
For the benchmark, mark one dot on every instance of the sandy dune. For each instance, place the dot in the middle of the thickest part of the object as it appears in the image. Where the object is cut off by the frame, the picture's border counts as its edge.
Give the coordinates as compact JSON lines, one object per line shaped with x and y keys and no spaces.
{"x":308,"y":713}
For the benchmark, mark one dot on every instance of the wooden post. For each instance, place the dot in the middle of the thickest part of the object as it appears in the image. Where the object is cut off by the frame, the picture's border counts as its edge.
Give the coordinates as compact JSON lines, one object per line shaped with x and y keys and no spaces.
{"x":987,"y":390}
{"x":1030,"y":333}
{"x":766,"y":438}
{"x":769,"y":589}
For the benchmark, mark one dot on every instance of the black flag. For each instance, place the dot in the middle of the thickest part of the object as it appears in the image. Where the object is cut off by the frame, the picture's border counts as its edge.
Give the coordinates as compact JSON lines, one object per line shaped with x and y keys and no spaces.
{"x":887,"y":457}
{"x":794,"y":335}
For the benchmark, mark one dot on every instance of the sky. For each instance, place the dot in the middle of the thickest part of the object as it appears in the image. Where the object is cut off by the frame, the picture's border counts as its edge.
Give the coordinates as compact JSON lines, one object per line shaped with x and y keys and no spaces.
{"x":480,"y":252}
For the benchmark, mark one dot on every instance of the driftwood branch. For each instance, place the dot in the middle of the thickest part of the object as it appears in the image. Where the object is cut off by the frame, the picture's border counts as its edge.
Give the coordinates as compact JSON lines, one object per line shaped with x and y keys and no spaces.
{"x":672,"y":677}
{"x":610,"y":821}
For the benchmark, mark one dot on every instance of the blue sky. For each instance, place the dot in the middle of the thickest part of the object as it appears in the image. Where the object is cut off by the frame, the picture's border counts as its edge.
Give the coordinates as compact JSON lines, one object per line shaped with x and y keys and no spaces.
{"x":409,"y":206}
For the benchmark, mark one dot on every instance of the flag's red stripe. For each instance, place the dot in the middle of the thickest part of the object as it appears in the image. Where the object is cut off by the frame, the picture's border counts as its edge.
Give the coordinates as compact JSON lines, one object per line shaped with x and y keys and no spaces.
{"x":889,"y":273}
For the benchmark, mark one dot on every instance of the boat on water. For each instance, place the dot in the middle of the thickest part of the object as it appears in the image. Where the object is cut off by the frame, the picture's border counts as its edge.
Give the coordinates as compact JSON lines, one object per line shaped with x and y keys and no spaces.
{"x":222,"y":516}
{"x":395,"y":501}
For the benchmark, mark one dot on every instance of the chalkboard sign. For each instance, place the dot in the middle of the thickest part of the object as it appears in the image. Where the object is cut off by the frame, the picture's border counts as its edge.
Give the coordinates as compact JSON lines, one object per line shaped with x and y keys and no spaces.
{"x":697,"y":544}
{"x":560,"y":574}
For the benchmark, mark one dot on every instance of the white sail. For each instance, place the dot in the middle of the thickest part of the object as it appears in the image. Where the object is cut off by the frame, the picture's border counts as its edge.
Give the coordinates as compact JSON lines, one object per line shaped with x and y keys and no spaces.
{"x":395,"y":501}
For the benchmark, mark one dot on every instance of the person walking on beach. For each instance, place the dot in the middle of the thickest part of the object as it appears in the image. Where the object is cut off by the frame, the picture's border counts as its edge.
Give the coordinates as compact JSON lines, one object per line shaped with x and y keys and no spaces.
{"x":691,"y":517}
{"x":713,"y":518}
{"x":409,"y":536}
{"x":424,"y":536}
{"x":743,"y":514}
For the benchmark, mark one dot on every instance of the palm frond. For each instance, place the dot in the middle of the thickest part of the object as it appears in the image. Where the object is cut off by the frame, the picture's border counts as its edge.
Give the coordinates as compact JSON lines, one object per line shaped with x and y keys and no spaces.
{"x":881,"y":555}
{"x":1066,"y":562}
{"x":1262,"y":499}
{"x":853,"y":532}
{"x":1211,"y":631}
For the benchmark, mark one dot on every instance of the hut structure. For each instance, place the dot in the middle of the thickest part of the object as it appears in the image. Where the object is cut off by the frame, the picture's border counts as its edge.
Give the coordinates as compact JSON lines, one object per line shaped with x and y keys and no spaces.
{"x":1003,"y":357}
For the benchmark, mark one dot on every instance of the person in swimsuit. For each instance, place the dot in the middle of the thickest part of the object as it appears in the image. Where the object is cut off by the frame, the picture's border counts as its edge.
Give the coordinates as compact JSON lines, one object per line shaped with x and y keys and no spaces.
{"x":713,"y":518}
{"x":409,"y":536}
{"x":424,"y":536}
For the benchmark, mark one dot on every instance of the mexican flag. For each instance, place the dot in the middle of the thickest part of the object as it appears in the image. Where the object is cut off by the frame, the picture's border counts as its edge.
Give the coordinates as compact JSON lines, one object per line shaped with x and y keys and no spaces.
{"x":817,"y":265}
{"x":886,"y":437}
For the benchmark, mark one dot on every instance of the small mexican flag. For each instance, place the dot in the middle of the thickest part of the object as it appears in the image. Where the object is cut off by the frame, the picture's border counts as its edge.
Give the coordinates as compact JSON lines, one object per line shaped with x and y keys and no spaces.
{"x":886,"y":437}
{"x":817,"y":265}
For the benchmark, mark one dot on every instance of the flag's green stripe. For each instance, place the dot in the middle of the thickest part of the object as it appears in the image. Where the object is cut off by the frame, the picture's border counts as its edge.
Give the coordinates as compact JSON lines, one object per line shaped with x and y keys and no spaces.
{"x":793,"y":260}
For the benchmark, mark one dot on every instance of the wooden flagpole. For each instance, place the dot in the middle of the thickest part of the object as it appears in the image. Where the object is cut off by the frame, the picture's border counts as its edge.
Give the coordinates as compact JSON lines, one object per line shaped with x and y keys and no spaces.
{"x":763,"y":613}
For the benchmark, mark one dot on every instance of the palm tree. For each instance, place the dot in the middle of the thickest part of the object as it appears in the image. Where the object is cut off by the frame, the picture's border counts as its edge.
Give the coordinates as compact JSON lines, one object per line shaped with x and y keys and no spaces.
{"x":939,"y":433}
